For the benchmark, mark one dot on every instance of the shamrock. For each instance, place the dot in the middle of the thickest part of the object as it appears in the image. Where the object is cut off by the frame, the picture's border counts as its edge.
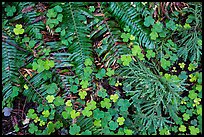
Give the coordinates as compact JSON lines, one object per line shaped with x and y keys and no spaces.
{"x":91,"y":9}
{"x":97,"y":123}
{"x":14,"y":91}
{"x":187,"y":26}
{"x":118,"y":84}
{"x":186,"y":117}
{"x":199,"y":110}
{"x":66,"y":114}
{"x":87,"y":71}
{"x":31,"y":114}
{"x":74,"y":88}
{"x":32,"y":128}
{"x":101,"y":73}
{"x":48,"y":64}
{"x":158,"y":27}
{"x":88,"y":62}
{"x":141,"y":56}
{"x":125,"y":37}
{"x":196,"y":101}
{"x":59,"y":101}
{"x":86,"y":132}
{"x":87,"y":112}
{"x":109,"y":72}
{"x":126,"y":29}
{"x":164,"y":131}
{"x":165,"y":63}
{"x":192,"y":94}
{"x":10,"y":10}
{"x":32,"y":43}
{"x":51,"y":88}
{"x":51,"y":13}
{"x":192,"y":78}
{"x":39,"y":66}
{"x":136,"y":50}
{"x":74,"y":129}
{"x":102,"y":93}
{"x":148,"y":21}
{"x":18,"y":29}
{"x":58,"y":8}
{"x":68,"y":103}
{"x":132,"y":37}
{"x":50,"y":98}
{"x":171,"y":25}
{"x":74,"y":114}
{"x":153,"y":35}
{"x":97,"y":114}
{"x":150,"y":54}
{"x":124,"y":104}
{"x":126,"y":59}
{"x":58,"y":125}
{"x":91,"y":105}
{"x":105,"y":103}
{"x":193,"y":130}
{"x":84,"y":83}
{"x":46,"y":113}
{"x":50,"y":127}
{"x":182,"y":65}
{"x":113,"y":125}
{"x":114,"y":97}
{"x":82,"y":94}
{"x":26,"y":39}
{"x":46,"y":51}
{"x":120,"y":120}
{"x":128,"y":132}
{"x":192,"y":67}
{"x":16,"y":128}
{"x":182,"y":128}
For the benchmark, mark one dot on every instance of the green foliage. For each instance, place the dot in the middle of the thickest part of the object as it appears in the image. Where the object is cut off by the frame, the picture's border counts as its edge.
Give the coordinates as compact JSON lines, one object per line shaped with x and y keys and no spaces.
{"x":74,"y":129}
{"x":18,"y":29}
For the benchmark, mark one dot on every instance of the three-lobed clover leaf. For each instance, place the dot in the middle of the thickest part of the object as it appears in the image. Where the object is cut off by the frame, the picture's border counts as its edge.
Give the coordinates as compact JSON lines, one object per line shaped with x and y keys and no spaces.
{"x":46,"y":113}
{"x":66,"y":114}
{"x":58,"y":101}
{"x":82,"y":94}
{"x":46,"y":51}
{"x":58,"y":8}
{"x":153,"y":35}
{"x":101,"y":73}
{"x":102,"y":93}
{"x":150,"y":54}
{"x":86,"y":132}
{"x":114,"y":97}
{"x":32,"y":43}
{"x":74,"y":129}
{"x":91,"y":105}
{"x":97,"y":123}
{"x":88,"y":62}
{"x":50,"y":98}
{"x":124,"y":104}
{"x":51,"y":88}
{"x":182,"y":128}
{"x":98,"y":114}
{"x":126,"y":29}
{"x":110,"y":72}
{"x":18,"y":29}
{"x":120,"y":120}
{"x":192,"y":67}
{"x":74,"y":114}
{"x":182,"y":65}
{"x":136,"y":50}
{"x":132,"y":37}
{"x":193,"y":130}
{"x":84,"y":83}
{"x":113,"y":125}
{"x":186,"y":117}
{"x":105,"y":103}
{"x":91,"y":8}
{"x":148,"y":21}
{"x":192,"y":94}
{"x":126,"y":59}
{"x":74,"y":88}
{"x":51,"y":13}
{"x":171,"y":25}
{"x":31,"y":114}
{"x":32,"y":128}
{"x":87,"y":112}
{"x":125,"y":36}
{"x":15,"y":91}
{"x":10,"y":10}
{"x":157,"y":27}
{"x":128,"y":131}
{"x":165,"y":63}
{"x":68,"y":103}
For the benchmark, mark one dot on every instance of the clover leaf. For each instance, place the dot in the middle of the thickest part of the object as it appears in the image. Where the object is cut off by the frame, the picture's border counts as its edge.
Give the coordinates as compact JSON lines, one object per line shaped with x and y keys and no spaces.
{"x":97,"y":114}
{"x":199,"y":110}
{"x":46,"y":51}
{"x":46,"y":113}
{"x":171,"y":25}
{"x":102,"y":93}
{"x":101,"y":73}
{"x":10,"y":10}
{"x":192,"y":67}
{"x":150,"y":54}
{"x":114,"y":97}
{"x":128,"y":132}
{"x":88,"y":62}
{"x":124,"y":104}
{"x":15,"y":91}
{"x":193,"y":130}
{"x":51,"y":13}
{"x":86,"y":132}
{"x":182,"y":128}
{"x":120,"y":120}
{"x":105,"y":103}
{"x":66,"y":114}
{"x":58,"y":8}
{"x":186,"y":117}
{"x":192,"y":94}
{"x":126,"y":59}
{"x":148,"y":21}
{"x":32,"y":43}
{"x":97,"y":123}
{"x":187,"y":26}
{"x":153,"y":35}
{"x":164,"y":131}
{"x":113,"y":125}
{"x":74,"y":114}
{"x":141,"y":56}
{"x":91,"y":105}
{"x":74,"y":129}
{"x":91,"y":9}
{"x":51,"y":88}
{"x":126,"y":29}
{"x":132,"y":37}
{"x":84,"y":83}
{"x":182,"y":65}
{"x":59,"y":101}
{"x":125,"y":36}
{"x":50,"y":127}
{"x":31,"y":114}
{"x":165,"y":63}
{"x":158,"y":27}
{"x":110,"y":72}
{"x":87,"y":112}
{"x":32,"y":128}
{"x":50,"y":98}
{"x":82,"y":94}
{"x":74,"y":89}
{"x":68,"y":103}
{"x":18,"y":29}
